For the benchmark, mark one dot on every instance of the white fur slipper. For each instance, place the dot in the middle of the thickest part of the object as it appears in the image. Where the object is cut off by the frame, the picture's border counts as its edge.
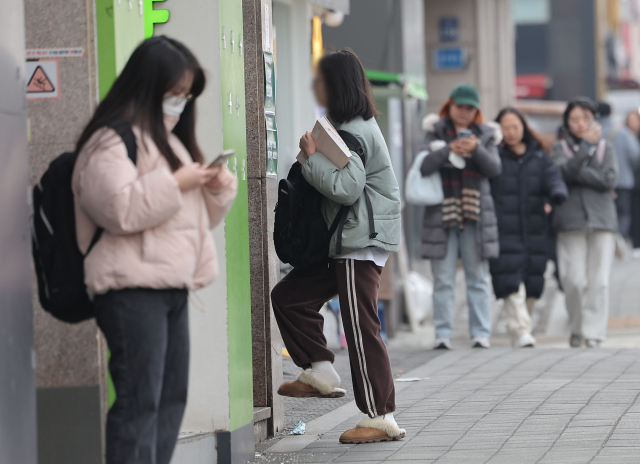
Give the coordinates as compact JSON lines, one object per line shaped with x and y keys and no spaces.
{"x":380,"y":424}
{"x":322,"y":387}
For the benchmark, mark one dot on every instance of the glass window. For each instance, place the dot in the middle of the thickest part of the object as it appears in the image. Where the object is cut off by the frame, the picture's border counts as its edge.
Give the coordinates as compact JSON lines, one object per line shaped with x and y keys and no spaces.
{"x":530,"y":11}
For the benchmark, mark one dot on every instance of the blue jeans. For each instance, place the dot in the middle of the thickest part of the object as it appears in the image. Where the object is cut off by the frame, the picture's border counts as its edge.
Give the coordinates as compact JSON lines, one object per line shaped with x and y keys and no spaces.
{"x":462,"y":243}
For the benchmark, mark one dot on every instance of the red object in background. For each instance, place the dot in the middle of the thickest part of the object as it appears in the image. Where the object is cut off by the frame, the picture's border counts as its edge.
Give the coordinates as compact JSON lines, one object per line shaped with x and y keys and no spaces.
{"x":532,"y":85}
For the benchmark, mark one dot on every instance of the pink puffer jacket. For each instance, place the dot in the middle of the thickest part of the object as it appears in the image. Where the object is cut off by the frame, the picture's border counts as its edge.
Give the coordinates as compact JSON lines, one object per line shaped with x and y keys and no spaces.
{"x":155,"y":235}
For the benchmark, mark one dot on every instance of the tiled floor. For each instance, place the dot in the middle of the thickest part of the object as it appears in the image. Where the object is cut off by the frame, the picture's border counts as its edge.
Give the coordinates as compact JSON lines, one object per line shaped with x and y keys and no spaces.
{"x":497,"y":406}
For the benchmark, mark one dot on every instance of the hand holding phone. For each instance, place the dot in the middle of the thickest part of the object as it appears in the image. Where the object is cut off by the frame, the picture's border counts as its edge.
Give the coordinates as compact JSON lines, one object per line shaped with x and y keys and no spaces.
{"x":464,"y":134}
{"x":468,"y":145}
{"x":222,"y":158}
{"x":192,"y":176}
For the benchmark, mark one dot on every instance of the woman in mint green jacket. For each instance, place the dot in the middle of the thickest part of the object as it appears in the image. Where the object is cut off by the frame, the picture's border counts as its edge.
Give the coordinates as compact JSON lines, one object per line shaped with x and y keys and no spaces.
{"x":356,"y":258}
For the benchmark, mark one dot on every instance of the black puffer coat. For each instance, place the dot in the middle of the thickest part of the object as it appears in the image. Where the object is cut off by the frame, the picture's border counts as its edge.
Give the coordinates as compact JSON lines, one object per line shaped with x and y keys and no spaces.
{"x":519,"y":194}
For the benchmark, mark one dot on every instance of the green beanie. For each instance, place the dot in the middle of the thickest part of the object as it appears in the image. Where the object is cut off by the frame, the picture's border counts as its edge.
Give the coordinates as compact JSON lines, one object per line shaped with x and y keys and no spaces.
{"x":466,"y":94}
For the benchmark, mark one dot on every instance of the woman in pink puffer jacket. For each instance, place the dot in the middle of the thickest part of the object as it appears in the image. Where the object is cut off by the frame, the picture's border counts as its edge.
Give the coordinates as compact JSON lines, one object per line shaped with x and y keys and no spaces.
{"x":156,"y":245}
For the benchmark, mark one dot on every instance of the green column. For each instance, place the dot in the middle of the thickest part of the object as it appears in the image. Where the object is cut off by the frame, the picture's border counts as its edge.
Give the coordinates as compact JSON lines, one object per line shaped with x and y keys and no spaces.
{"x":120,"y":29}
{"x":237,"y":221}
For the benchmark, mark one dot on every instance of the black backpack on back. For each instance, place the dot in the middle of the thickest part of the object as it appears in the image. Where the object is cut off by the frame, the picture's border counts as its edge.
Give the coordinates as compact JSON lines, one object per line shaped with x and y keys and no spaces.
{"x":300,"y":236}
{"x":58,"y":261}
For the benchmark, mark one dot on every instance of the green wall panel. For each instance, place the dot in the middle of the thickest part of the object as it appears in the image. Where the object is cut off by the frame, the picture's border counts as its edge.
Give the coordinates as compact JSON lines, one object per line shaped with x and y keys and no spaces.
{"x":119,"y":31}
{"x":237,"y":221}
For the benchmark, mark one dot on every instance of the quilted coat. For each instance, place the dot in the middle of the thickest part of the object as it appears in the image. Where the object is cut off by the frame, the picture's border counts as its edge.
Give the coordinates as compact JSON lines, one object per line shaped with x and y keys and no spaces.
{"x":519,"y":194}
{"x":155,"y":235}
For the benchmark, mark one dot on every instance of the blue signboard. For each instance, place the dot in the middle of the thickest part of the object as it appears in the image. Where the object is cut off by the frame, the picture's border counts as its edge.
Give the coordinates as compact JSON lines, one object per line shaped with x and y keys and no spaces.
{"x":449,"y":30}
{"x":449,"y":58}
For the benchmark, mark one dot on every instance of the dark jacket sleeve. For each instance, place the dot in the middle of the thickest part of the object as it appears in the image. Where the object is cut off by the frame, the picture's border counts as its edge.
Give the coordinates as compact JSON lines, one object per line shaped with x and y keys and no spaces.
{"x":580,"y":171}
{"x":487,"y":158}
{"x":434,"y":161}
{"x":553,"y":183}
{"x":599,"y":177}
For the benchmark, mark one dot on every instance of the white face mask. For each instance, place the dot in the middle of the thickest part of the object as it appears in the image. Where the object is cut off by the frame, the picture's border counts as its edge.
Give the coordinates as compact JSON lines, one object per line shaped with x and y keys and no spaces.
{"x":173,"y":105}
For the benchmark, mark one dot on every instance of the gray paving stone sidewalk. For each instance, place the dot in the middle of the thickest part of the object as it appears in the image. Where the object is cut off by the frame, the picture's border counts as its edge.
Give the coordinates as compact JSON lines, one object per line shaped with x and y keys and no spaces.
{"x":496,"y":406}
{"x":403,"y":359}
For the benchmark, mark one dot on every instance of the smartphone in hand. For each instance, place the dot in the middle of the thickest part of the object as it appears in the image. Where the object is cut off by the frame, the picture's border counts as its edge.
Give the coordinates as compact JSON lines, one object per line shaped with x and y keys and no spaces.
{"x":464,"y":134}
{"x":222,"y":158}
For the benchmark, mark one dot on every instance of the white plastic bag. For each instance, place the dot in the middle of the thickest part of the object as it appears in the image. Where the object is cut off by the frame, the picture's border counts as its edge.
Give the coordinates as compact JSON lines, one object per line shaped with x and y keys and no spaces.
{"x":418,"y":293}
{"x":423,"y":191}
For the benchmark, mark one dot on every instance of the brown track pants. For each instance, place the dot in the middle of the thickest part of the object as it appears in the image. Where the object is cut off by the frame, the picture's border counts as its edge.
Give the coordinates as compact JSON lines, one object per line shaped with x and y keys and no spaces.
{"x":297,"y":300}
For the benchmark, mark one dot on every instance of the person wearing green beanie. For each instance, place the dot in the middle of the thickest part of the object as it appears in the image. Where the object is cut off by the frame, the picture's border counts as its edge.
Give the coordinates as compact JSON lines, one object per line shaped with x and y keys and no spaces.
{"x":464,"y":152}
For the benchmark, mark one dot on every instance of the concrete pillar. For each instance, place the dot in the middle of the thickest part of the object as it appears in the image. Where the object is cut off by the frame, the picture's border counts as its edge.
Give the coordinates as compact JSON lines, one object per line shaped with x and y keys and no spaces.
{"x":17,"y":379}
{"x":70,"y":359}
{"x":486,"y":32}
{"x":265,"y":266}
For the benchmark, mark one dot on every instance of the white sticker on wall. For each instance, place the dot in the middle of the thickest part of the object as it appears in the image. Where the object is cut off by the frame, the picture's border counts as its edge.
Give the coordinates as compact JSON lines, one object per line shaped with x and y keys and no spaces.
{"x":267,"y":29}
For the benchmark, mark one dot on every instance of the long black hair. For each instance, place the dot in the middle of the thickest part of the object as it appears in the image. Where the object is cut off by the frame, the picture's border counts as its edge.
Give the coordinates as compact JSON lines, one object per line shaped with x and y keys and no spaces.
{"x":348,"y":89}
{"x":154,"y":68}
{"x":581,"y":102}
{"x":529,"y":137}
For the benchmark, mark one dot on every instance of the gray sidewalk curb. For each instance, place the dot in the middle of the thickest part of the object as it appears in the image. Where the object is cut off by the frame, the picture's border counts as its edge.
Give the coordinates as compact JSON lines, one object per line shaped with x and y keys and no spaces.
{"x":323,"y":424}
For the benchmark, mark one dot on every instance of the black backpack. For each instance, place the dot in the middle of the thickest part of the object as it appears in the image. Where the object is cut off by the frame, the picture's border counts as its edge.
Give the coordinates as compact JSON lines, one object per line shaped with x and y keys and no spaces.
{"x":58,"y":261}
{"x":300,"y":236}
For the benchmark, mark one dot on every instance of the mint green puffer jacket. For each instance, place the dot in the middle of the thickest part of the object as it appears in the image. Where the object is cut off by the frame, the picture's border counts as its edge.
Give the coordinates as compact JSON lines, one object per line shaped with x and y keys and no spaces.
{"x":346,"y":187}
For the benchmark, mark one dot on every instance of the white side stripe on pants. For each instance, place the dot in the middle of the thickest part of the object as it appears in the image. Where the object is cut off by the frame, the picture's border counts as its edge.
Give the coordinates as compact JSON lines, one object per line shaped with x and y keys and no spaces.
{"x":357,"y":334}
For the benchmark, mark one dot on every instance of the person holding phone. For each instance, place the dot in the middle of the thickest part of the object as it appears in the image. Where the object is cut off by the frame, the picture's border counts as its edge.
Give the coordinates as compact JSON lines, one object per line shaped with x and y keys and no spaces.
{"x":156,"y":244}
{"x":464,"y":151}
{"x":587,"y":223}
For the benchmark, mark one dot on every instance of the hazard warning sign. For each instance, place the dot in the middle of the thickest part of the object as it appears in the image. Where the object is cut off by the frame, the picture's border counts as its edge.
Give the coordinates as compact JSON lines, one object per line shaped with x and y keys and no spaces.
{"x":42,"y":80}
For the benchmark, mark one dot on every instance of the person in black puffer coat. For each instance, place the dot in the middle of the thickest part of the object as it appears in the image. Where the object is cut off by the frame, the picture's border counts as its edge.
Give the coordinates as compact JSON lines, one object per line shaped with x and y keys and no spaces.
{"x":529,"y":179}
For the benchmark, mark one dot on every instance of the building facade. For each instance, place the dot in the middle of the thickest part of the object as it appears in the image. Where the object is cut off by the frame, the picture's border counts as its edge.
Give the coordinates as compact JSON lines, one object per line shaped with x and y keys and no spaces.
{"x":235,"y":347}
{"x":17,"y":360}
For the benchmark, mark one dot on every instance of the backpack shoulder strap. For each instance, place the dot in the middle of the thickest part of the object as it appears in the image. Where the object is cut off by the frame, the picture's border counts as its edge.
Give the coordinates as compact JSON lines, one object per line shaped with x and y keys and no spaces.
{"x":123,"y":129}
{"x":567,"y":150}
{"x":355,"y":146}
{"x":600,"y":151}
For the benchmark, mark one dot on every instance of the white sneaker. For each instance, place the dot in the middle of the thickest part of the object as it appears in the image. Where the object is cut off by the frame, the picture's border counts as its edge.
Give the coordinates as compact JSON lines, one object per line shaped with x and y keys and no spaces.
{"x":525,"y":341}
{"x":593,"y":344}
{"x":481,"y":342}
{"x":442,"y":344}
